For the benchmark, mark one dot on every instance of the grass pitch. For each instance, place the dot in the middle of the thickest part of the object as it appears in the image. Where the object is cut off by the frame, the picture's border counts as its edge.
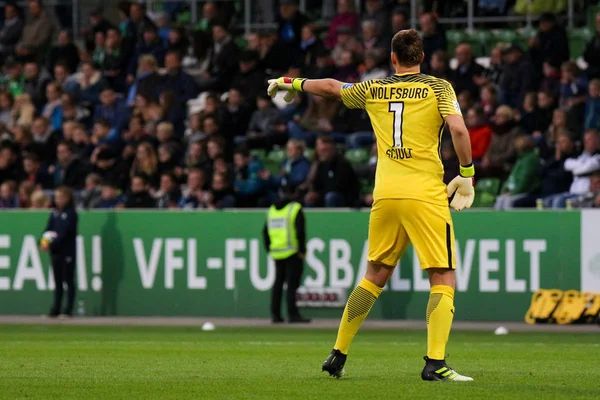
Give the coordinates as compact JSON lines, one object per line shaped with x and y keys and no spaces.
{"x":70,"y":362}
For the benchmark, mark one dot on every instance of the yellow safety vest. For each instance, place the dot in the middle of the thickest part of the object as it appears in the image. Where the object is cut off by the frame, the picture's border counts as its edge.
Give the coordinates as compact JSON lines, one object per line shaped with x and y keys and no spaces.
{"x":282,"y":231}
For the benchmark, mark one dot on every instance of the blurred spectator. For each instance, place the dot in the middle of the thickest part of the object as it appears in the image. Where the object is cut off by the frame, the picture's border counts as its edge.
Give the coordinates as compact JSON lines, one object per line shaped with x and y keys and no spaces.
{"x":145,"y":164}
{"x":375,"y":11}
{"x":551,"y":43}
{"x":168,"y":193}
{"x":545,"y":111}
{"x":114,"y":63}
{"x":26,"y":191}
{"x":34,"y":84}
{"x":248,"y":185}
{"x":592,"y":52}
{"x":529,"y":119}
{"x":449,"y":161}
{"x":463,"y":77}
{"x":32,"y":172}
{"x":137,"y":14}
{"x":592,"y":106}
{"x":37,"y":34}
{"x":8,"y":195}
{"x":501,"y":152}
{"x":517,"y":78}
{"x":45,"y":136}
{"x":90,"y":84}
{"x":294,"y":171}
{"x":138,"y":196}
{"x":40,"y":200}
{"x":346,"y":15}
{"x":112,"y":108}
{"x":346,"y":67}
{"x":553,"y":177}
{"x":163,"y":26}
{"x":102,"y":133}
{"x":250,"y":79}
{"x":64,"y":77}
{"x":65,"y":51}
{"x":9,"y":170}
{"x":148,"y":82}
{"x":493,"y":73}
{"x":178,"y":81}
{"x":109,"y":197}
{"x":480,"y":133}
{"x":221,"y":195}
{"x":439,"y":66}
{"x":106,"y":165}
{"x":400,"y":21}
{"x":276,"y":55}
{"x":91,"y":195}
{"x":6,"y":105}
{"x":237,"y":114}
{"x":524,"y":175}
{"x":10,"y":33}
{"x":214,"y":151}
{"x":551,"y":79}
{"x":177,"y":41}
{"x":82,"y":146}
{"x":310,"y":46}
{"x":23,"y":111}
{"x":573,"y":85}
{"x":194,"y":194}
{"x":346,"y":42}
{"x":68,"y":170}
{"x":14,"y":77}
{"x":168,"y":160}
{"x":590,"y":199}
{"x":266,"y":125}
{"x":581,"y":167}
{"x":315,"y":121}
{"x":332,"y":181}
{"x":53,"y":110}
{"x":465,"y":101}
{"x":97,"y":23}
{"x":223,"y":61}
{"x":371,"y":38}
{"x":433,"y":38}
{"x":99,"y":52}
{"x":195,"y":157}
{"x":150,"y":45}
{"x":290,"y":21}
{"x":373,"y":67}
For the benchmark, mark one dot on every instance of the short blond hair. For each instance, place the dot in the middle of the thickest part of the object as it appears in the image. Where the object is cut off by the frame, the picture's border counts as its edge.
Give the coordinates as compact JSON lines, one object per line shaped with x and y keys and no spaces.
{"x":166,"y":126}
{"x":39,"y":199}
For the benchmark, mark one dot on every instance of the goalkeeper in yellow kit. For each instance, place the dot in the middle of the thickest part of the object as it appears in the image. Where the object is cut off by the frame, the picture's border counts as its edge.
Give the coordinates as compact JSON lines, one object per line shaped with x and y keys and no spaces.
{"x":408,"y":112}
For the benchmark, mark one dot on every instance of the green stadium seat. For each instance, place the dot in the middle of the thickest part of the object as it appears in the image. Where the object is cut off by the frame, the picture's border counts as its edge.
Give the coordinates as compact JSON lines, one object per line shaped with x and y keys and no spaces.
{"x":272,"y":166}
{"x":486,"y":191}
{"x":454,"y":37}
{"x":506,"y":36}
{"x":480,"y":41}
{"x":357,"y":156}
{"x":309,"y":153}
{"x":277,"y":156}
{"x":578,"y":39}
{"x":258,"y":154}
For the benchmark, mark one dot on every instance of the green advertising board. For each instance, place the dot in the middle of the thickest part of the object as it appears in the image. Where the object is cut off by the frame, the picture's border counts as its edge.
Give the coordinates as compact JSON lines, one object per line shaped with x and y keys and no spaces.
{"x":214,"y":264}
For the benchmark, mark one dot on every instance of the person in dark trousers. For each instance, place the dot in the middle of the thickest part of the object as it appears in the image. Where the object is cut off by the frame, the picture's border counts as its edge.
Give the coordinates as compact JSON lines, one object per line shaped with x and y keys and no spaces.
{"x":284,"y":236}
{"x":62,"y":248}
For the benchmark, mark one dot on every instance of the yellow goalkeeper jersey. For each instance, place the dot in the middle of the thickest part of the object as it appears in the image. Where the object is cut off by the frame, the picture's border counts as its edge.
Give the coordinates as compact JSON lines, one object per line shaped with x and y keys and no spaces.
{"x":408,"y":114}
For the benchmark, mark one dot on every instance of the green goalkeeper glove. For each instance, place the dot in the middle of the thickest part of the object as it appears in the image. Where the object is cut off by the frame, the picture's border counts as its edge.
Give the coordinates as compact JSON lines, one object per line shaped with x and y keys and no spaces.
{"x":289,"y":85}
{"x":462,"y":188}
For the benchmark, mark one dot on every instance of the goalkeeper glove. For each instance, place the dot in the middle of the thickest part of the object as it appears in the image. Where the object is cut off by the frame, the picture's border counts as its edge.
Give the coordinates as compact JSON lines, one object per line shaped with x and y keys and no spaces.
{"x":290,"y":85}
{"x":462,"y":188}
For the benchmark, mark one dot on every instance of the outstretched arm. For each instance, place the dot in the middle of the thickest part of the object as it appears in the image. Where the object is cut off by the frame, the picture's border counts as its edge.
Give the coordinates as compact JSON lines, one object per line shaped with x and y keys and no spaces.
{"x":319,"y":87}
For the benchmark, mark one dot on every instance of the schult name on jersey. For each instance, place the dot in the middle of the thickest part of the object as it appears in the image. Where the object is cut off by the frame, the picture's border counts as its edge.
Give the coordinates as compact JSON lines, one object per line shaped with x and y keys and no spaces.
{"x":397,"y":93}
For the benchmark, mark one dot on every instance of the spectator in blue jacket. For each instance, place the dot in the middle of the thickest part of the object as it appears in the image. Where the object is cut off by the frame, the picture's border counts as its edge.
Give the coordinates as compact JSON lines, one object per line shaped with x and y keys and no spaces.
{"x":294,"y":170}
{"x":150,"y":45}
{"x":62,"y":248}
{"x":177,"y":80}
{"x":90,"y":84}
{"x":112,"y":108}
{"x":248,"y":185}
{"x":109,"y":197}
{"x":592,"y":106}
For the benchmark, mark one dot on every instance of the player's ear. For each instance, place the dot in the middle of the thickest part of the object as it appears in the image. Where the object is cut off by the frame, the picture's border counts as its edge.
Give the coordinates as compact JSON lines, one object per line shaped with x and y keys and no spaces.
{"x":422,"y":57}
{"x":394,"y":58}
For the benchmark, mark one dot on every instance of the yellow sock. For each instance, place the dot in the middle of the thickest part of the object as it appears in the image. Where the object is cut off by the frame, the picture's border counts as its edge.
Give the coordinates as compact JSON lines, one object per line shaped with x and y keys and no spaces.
{"x":440,"y":312}
{"x":357,"y":308}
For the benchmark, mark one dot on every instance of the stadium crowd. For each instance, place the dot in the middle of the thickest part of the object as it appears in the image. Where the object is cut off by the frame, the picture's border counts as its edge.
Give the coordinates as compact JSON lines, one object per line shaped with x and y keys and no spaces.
{"x":149,"y":114}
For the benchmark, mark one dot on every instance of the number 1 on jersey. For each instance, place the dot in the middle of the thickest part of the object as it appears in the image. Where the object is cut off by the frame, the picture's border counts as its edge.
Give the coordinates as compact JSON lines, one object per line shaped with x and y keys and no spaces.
{"x":398,"y":109}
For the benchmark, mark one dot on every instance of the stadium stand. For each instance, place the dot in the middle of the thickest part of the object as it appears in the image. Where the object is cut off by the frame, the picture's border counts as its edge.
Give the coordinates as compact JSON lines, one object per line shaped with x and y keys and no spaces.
{"x":153,"y":110}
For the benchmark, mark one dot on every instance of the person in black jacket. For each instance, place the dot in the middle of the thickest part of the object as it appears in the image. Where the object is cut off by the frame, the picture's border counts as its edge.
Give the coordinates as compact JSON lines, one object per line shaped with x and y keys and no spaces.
{"x":11,"y":30}
{"x":68,"y":170}
{"x":551,"y":43}
{"x":64,"y":51}
{"x":139,"y":197}
{"x":332,"y":181}
{"x":62,"y":248}
{"x":592,"y":53}
{"x":288,"y":268}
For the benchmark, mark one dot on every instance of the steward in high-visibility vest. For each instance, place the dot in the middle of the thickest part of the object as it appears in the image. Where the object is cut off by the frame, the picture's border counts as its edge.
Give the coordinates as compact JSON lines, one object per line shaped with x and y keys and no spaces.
{"x":284,"y":236}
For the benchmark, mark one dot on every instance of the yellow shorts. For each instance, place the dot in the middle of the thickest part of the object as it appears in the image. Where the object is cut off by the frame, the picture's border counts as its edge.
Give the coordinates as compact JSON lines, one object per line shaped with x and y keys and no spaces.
{"x":396,"y":222}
